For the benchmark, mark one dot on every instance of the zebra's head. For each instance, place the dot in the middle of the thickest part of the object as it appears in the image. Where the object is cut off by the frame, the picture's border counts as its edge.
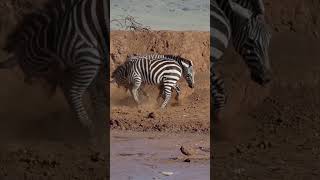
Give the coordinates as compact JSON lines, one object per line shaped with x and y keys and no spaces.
{"x":255,"y":49}
{"x":188,"y":72}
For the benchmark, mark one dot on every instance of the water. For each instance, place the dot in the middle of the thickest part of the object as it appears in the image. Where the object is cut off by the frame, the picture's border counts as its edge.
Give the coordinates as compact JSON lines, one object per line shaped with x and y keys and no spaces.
{"x":144,"y":156}
{"x":178,"y":15}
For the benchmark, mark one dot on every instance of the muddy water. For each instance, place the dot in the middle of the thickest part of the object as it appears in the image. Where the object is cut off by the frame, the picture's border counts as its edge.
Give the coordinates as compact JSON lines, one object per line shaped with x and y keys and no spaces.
{"x":139,"y":156}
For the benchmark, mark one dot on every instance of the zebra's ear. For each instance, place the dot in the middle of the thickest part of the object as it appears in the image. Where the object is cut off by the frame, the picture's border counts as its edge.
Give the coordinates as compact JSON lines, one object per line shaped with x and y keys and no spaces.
{"x":239,"y":10}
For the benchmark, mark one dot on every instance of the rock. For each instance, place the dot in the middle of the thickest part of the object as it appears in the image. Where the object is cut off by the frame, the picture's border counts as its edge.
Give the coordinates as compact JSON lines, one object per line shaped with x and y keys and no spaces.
{"x":167,"y":173}
{"x":152,"y":115}
{"x":185,"y":151}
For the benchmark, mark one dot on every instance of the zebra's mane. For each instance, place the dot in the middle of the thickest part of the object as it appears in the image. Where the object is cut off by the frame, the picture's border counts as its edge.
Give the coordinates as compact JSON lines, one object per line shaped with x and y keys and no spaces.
{"x":256,"y":24}
{"x":179,"y":59}
{"x":176,"y":58}
{"x":53,"y":8}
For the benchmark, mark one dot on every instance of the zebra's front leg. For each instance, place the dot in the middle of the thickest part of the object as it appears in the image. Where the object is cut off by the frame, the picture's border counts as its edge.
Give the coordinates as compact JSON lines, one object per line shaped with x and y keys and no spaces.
{"x":75,"y":87}
{"x":178,"y":91}
{"x":135,"y":94}
{"x":167,"y":95}
{"x":98,"y":94}
{"x":74,"y":98}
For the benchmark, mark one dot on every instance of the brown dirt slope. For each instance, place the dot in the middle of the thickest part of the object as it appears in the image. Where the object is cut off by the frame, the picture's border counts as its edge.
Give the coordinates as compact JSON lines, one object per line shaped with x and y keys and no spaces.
{"x":191,"y":112}
{"x":275,"y":130}
{"x":190,"y":45}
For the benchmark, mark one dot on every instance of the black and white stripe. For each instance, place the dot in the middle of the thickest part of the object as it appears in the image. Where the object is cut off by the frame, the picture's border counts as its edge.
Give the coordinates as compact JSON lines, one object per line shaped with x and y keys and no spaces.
{"x":241,"y":21}
{"x":153,"y":57}
{"x":161,"y":70}
{"x":66,"y":43}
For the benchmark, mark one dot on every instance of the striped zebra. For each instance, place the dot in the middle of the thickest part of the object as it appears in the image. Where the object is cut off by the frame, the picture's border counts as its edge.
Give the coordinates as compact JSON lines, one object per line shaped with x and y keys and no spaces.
{"x":243,"y":23}
{"x":153,"y":57}
{"x":66,"y":43}
{"x":164,"y":71}
{"x":255,"y":6}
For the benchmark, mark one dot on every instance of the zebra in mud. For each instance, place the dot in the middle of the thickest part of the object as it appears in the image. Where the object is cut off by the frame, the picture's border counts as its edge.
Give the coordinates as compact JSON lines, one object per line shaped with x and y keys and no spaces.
{"x":66,"y":43}
{"x":161,"y":70}
{"x":242,"y":21}
{"x":158,"y":56}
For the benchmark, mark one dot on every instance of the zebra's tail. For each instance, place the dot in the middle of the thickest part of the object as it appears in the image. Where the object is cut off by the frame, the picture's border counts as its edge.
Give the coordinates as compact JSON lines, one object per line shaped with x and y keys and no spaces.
{"x":9,"y":63}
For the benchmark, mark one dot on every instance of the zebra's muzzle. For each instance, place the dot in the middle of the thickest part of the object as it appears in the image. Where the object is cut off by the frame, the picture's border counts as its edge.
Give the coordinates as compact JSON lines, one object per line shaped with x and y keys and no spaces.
{"x":261,"y":78}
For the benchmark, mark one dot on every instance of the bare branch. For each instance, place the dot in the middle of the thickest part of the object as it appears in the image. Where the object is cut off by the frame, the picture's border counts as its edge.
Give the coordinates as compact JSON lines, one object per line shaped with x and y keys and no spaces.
{"x":129,"y":23}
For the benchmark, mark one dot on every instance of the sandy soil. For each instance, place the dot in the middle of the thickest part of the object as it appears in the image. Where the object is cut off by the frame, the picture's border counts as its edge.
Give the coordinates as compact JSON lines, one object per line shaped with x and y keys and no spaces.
{"x":190,"y":114}
{"x":275,"y":131}
{"x":39,"y":138}
{"x":147,"y":155}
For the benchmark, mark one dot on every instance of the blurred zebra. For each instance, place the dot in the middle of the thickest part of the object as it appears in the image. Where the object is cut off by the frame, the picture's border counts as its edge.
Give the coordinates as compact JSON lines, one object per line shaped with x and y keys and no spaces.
{"x":162,"y":71}
{"x":250,"y":36}
{"x":255,"y":6}
{"x":66,"y":43}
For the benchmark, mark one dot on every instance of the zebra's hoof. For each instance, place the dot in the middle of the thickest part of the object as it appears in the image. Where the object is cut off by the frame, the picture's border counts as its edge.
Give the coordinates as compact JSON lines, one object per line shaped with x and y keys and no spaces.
{"x":221,"y":132}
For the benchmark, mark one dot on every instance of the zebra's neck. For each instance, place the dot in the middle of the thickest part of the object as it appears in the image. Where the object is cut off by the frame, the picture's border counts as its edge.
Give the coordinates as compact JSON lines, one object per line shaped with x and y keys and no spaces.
{"x":178,"y":59}
{"x":256,"y":6}
{"x":228,"y":7}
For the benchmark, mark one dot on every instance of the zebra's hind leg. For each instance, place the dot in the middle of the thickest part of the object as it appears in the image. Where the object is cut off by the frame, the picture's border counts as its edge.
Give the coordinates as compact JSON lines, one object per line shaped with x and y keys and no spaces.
{"x":134,"y":92}
{"x":178,"y":91}
{"x":74,"y":89}
{"x":167,"y":94}
{"x":98,"y":97}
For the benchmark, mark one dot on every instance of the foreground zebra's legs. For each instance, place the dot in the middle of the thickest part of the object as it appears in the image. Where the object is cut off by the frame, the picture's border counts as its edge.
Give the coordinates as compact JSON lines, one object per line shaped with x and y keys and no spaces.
{"x":74,"y":89}
{"x":218,"y":94}
{"x":98,"y":94}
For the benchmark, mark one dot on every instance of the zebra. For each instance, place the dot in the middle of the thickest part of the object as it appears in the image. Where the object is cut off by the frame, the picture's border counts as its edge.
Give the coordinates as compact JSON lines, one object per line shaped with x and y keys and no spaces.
{"x":164,"y":71}
{"x":152,"y":57}
{"x":250,"y":36}
{"x":255,"y":6}
{"x":66,"y":43}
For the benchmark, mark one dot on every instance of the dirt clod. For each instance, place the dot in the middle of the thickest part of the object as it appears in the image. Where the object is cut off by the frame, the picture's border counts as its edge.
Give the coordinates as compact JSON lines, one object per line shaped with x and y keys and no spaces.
{"x":152,"y":115}
{"x":186,"y":151}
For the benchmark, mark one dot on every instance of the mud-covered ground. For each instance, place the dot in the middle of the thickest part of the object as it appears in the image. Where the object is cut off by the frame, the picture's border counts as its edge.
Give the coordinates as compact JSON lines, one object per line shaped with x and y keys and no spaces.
{"x":185,"y":121}
{"x":190,"y":113}
{"x":39,"y":138}
{"x":275,"y":131}
{"x":148,"y":155}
